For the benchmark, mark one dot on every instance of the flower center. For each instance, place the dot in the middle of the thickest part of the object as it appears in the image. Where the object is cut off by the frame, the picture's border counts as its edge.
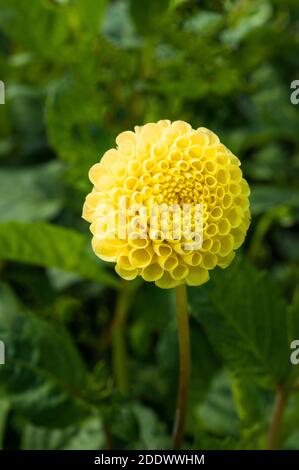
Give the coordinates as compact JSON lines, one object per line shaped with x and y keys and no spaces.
{"x":184,"y":189}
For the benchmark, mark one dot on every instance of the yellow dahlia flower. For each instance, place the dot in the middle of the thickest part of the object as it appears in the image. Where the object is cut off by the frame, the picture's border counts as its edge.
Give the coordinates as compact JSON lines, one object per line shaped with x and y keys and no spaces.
{"x":167,"y":165}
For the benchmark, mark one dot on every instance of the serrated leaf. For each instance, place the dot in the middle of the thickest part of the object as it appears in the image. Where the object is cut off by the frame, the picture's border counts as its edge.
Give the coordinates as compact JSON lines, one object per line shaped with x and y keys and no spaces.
{"x":43,"y":376}
{"x":247,"y":323}
{"x":89,"y":436}
{"x":49,"y":245}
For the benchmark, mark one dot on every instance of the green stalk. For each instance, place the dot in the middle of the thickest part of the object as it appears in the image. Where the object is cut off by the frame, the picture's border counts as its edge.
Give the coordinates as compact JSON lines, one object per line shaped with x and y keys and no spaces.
{"x":277,"y":417}
{"x":185,"y":365}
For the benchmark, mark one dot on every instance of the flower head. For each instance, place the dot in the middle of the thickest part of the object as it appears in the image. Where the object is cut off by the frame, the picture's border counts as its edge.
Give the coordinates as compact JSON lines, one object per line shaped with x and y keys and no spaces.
{"x":169,"y":203}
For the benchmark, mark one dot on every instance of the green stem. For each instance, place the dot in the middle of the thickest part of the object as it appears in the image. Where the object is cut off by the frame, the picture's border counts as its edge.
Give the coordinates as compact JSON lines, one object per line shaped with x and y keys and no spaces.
{"x":277,"y":417}
{"x":120,"y":360}
{"x":185,"y":365}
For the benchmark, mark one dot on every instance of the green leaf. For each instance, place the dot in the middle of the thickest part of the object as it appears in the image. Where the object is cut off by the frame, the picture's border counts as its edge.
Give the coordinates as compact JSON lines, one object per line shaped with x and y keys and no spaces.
{"x":49,"y":32}
{"x":137,"y":426}
{"x":293,"y":330}
{"x":265,"y":197}
{"x":118,"y":27}
{"x":90,"y":14}
{"x":217,"y":414}
{"x":74,"y":113}
{"x":89,"y":436}
{"x":49,"y":245}
{"x":204,"y":22}
{"x":290,"y":431}
{"x":148,"y":13}
{"x":145,"y":324}
{"x":246,"y":18}
{"x":204,"y":367}
{"x":56,"y":24}
{"x":176,"y":3}
{"x":250,"y":400}
{"x":287,"y":244}
{"x":41,"y":185}
{"x":4,"y":409}
{"x":43,"y":376}
{"x":292,"y":442}
{"x":250,"y":441}
{"x":294,"y":317}
{"x":246,"y":321}
{"x":152,"y":432}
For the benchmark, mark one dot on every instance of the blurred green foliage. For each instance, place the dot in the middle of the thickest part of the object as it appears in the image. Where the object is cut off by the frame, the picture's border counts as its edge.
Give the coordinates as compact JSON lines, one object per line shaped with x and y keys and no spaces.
{"x":77,"y":72}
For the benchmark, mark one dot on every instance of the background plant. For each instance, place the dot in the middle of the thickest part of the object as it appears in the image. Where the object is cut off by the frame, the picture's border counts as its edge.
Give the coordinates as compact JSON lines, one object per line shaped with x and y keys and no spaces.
{"x":77,"y":73}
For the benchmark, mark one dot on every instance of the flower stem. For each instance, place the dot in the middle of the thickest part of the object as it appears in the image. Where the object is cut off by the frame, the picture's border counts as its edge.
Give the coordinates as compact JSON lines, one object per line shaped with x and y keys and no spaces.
{"x":185,"y":364}
{"x":278,"y":411}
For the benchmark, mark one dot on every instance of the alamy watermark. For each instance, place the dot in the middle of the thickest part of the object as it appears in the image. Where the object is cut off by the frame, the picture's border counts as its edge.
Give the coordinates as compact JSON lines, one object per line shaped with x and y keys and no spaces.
{"x":294,"y":97}
{"x":2,"y":353}
{"x":2,"y":92}
{"x":155,"y":222}
{"x":294,"y":358}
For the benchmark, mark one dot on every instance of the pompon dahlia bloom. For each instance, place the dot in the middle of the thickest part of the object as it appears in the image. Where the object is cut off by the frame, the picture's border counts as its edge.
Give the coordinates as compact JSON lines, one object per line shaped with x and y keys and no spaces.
{"x":168,"y":165}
